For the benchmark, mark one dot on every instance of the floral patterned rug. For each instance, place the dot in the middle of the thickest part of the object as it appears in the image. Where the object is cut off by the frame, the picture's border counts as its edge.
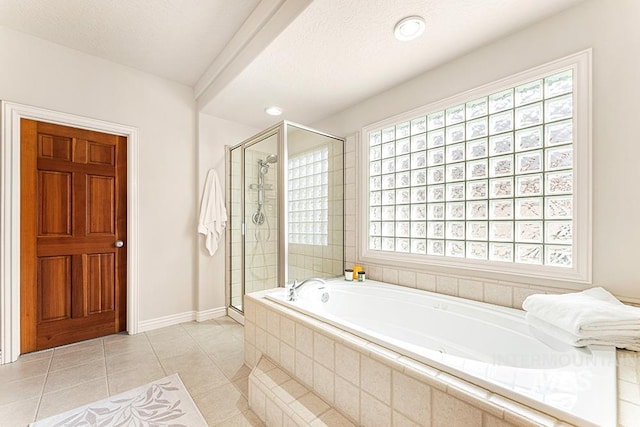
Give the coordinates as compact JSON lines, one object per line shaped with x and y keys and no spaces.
{"x":164,"y":402}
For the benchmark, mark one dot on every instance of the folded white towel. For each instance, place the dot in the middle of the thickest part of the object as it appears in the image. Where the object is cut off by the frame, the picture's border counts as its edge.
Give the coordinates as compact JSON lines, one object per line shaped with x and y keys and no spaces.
{"x":591,"y":313}
{"x":548,"y":330}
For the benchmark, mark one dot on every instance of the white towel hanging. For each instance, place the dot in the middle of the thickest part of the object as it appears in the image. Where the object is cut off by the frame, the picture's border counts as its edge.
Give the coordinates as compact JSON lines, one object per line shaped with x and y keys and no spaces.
{"x":213,"y":214}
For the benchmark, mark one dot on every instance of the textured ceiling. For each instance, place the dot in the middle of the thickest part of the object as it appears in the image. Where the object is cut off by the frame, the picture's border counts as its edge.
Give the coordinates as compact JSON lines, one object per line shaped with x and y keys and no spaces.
{"x":334,"y":54}
{"x":339,"y":52}
{"x":174,"y":39}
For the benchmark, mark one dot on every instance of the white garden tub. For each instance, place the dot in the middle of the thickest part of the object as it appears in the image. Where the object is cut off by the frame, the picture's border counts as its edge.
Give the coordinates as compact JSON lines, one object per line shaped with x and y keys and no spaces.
{"x":490,"y":346}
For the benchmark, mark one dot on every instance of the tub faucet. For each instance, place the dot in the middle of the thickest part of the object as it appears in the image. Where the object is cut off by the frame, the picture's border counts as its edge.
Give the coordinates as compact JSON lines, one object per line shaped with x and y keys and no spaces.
{"x":292,"y":289}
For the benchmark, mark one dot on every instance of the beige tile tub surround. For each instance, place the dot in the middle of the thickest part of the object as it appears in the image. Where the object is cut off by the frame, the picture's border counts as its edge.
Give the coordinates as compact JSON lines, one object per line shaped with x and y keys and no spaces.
{"x":280,"y":400}
{"x":373,"y":386}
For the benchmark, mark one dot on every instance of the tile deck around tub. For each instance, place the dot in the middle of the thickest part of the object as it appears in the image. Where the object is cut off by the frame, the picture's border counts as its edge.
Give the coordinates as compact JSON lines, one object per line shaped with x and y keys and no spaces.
{"x":368,"y":379}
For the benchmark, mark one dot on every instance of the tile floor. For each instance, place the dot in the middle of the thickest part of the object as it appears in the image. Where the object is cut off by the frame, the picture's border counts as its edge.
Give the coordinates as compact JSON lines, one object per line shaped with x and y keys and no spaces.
{"x":208,"y":356}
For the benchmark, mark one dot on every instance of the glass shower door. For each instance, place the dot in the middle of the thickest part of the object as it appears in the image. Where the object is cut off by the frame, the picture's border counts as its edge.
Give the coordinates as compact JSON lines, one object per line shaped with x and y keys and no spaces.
{"x":286,"y":204}
{"x":261,"y":214}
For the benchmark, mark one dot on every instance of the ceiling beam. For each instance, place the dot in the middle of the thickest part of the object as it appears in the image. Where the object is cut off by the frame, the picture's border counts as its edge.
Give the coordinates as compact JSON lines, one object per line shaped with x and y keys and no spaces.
{"x":264,"y":24}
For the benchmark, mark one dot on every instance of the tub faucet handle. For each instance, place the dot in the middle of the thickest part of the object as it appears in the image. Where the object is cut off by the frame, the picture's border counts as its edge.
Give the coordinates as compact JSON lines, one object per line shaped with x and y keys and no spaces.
{"x":292,"y":293}
{"x":291,"y":290}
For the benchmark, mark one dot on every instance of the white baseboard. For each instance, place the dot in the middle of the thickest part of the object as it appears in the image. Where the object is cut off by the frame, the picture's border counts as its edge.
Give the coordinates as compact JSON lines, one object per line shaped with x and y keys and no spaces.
{"x":212,"y":313}
{"x":175,"y":319}
{"x":164,"y":321}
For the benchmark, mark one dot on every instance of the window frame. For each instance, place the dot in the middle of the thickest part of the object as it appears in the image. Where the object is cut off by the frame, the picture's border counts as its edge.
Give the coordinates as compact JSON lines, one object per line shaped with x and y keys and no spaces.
{"x":581,"y":270}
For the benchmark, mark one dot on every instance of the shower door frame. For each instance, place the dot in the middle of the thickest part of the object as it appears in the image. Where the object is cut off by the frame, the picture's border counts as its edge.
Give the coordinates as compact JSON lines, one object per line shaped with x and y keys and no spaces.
{"x":256,"y":139}
{"x":280,"y":130}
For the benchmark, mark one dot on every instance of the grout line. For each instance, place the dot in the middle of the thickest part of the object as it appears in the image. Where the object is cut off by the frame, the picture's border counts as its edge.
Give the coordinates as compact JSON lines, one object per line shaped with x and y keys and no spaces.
{"x":211,"y":359}
{"x":155,"y":353}
{"x":226,"y":328}
{"x":106,"y":368}
{"x":44,"y":383}
{"x":199,"y":346}
{"x":79,"y":383}
{"x":106,"y":376}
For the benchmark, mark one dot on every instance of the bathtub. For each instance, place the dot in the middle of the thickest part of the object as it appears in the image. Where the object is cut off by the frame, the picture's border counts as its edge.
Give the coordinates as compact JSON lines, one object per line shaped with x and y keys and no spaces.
{"x":487,"y":345}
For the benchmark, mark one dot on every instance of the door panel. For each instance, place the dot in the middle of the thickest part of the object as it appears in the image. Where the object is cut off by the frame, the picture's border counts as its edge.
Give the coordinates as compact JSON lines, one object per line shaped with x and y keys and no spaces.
{"x":101,"y":201}
{"x":53,"y":147}
{"x":73,"y":210}
{"x":54,"y":284}
{"x":54,"y":203}
{"x":101,"y":154}
{"x":100,"y":280}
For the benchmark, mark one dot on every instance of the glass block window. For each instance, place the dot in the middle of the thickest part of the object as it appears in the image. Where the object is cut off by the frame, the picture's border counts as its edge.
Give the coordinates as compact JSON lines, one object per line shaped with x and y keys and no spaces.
{"x":488,"y":178}
{"x":308,"y":187}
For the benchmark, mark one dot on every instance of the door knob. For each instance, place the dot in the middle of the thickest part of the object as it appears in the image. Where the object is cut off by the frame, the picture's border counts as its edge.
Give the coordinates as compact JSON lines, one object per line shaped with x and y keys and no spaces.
{"x":119,"y":243}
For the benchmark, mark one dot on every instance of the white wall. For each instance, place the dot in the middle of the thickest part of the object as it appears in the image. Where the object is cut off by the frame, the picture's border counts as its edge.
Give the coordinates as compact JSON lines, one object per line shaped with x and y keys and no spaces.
{"x":213,"y":134}
{"x":611,"y":29}
{"x":43,"y":74}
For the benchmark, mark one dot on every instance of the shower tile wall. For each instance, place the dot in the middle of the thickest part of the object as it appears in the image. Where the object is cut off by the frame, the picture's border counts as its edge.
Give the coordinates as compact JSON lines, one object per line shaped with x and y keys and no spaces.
{"x":505,"y":293}
{"x":306,"y":260}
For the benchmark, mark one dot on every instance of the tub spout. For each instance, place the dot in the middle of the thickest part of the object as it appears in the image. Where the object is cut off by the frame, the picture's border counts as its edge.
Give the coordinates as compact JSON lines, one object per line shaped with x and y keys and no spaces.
{"x":292,"y":289}
{"x":297,"y":285}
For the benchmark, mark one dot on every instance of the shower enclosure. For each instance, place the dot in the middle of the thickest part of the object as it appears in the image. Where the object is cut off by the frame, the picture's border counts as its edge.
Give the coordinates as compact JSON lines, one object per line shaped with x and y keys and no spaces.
{"x":285,"y":204}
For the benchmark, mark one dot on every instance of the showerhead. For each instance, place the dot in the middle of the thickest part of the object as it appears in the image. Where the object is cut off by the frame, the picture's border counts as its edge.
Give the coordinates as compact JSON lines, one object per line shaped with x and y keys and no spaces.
{"x":271,"y":158}
{"x":264,"y":164}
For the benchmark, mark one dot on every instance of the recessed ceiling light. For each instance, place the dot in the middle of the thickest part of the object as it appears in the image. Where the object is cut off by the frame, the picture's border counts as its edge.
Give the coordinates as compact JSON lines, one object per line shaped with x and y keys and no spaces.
{"x":409,"y":28}
{"x":273,"y":110}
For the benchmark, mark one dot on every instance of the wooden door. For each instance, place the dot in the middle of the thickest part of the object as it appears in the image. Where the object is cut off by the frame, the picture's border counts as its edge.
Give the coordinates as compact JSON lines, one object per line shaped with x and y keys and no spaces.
{"x":73,"y":211}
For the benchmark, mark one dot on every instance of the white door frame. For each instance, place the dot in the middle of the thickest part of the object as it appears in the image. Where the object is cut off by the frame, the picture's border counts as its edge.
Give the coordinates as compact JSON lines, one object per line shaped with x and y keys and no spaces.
{"x":10,"y":215}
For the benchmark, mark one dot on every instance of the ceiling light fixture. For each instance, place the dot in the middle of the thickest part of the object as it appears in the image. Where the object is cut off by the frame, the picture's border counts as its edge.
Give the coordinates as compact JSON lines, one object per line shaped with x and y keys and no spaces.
{"x":273,"y":110}
{"x":409,"y":28}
